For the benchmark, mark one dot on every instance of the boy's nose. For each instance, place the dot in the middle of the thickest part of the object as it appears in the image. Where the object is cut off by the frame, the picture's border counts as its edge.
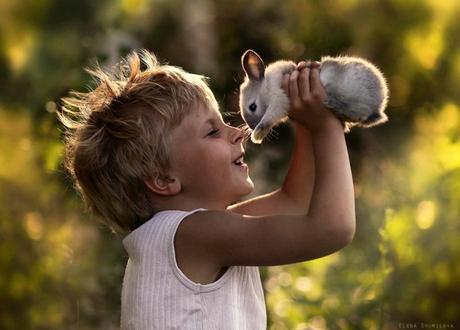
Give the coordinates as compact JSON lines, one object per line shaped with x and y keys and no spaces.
{"x":238,"y":136}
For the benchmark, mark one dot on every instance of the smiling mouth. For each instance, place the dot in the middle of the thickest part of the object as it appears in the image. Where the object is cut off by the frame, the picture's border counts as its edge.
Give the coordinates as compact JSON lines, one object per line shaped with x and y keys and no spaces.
{"x":239,"y":161}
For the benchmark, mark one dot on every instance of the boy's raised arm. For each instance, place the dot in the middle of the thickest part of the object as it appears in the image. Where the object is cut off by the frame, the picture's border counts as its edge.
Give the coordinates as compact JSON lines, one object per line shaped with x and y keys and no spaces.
{"x":333,"y":193}
{"x":227,"y":238}
{"x":293,"y":197}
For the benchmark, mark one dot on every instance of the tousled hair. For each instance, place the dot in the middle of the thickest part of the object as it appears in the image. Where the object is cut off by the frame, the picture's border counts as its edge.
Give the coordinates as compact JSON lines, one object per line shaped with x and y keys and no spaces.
{"x":117,"y":134}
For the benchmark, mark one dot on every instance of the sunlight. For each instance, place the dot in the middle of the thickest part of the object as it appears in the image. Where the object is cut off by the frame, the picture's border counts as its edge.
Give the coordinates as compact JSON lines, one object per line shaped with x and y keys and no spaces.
{"x":301,"y":326}
{"x":16,"y":158}
{"x":399,"y":231}
{"x":34,"y":225}
{"x":448,"y":117}
{"x":315,"y":292}
{"x":133,"y":7}
{"x":53,"y":156}
{"x":426,"y":46}
{"x":318,"y":322}
{"x":282,"y":306}
{"x":435,"y":148}
{"x":303,"y":283}
{"x":284,"y":279}
{"x":443,"y":9}
{"x":19,"y":49}
{"x":448,"y":153}
{"x":426,"y":214}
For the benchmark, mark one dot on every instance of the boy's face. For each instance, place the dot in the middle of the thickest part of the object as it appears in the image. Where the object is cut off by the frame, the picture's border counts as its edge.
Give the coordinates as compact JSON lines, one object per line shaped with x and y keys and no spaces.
{"x":203,"y":154}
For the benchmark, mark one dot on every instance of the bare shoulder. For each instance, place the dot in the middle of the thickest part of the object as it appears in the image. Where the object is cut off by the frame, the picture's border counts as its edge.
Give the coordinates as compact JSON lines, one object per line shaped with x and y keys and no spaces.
{"x":194,"y":261}
{"x":214,"y":239}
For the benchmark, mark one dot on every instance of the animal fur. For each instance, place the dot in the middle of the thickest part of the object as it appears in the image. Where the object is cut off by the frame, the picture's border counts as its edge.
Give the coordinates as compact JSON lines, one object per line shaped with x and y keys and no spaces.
{"x":356,"y":92}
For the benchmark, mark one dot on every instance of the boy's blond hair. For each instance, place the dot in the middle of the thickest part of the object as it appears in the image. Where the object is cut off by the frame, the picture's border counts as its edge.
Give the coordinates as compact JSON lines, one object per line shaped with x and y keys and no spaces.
{"x":117,"y":134}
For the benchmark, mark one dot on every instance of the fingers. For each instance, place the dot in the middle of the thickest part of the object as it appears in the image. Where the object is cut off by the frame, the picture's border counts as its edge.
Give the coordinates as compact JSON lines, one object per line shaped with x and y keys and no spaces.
{"x":316,"y":87}
{"x":304,"y":83}
{"x":302,"y":65}
{"x":315,"y":64}
{"x":293,"y":88}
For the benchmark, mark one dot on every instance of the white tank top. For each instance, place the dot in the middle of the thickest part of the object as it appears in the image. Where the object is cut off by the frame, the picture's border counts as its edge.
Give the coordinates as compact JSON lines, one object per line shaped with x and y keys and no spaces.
{"x":157,"y":295}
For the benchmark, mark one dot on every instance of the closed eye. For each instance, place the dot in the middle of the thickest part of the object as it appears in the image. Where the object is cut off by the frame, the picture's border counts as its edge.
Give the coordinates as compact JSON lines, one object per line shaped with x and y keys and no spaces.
{"x":213,"y":132}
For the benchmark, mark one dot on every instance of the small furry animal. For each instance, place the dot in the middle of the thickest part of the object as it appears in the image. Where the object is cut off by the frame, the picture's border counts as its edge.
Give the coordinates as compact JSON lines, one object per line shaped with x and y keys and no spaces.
{"x":356,"y":92}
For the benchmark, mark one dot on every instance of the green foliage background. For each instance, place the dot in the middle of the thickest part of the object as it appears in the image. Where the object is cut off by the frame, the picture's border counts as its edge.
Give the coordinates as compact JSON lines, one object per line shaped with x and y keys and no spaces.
{"x":61,"y":270}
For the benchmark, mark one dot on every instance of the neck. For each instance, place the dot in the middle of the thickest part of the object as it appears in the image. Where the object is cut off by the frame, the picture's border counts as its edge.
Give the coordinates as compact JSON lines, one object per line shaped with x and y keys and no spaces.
{"x":187,"y":204}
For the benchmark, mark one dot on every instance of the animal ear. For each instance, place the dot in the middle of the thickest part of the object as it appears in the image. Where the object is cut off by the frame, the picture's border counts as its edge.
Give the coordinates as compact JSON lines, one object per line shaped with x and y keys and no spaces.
{"x":253,"y":65}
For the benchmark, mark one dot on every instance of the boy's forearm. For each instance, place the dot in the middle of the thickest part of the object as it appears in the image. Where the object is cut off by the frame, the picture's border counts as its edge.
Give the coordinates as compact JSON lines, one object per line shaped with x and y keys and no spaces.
{"x":293,"y":197}
{"x":333,"y":194}
{"x":325,"y":195}
{"x":300,"y":178}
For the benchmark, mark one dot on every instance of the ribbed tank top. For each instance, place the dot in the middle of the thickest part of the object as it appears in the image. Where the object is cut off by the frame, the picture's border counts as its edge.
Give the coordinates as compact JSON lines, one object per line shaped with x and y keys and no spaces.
{"x":157,"y":295}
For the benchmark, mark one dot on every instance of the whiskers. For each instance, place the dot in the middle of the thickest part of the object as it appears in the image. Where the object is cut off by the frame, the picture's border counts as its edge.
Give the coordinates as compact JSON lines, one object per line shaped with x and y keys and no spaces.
{"x":247,"y":131}
{"x":271,"y":134}
{"x":259,"y":135}
{"x":232,"y":114}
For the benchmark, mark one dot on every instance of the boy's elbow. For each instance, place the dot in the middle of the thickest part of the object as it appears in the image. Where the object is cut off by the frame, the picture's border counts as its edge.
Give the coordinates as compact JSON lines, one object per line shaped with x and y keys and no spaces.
{"x":341,"y":228}
{"x":348,"y":235}
{"x":346,"y":231}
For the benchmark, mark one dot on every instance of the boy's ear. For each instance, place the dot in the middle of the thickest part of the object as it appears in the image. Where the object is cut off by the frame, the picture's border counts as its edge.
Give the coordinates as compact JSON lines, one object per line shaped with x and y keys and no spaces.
{"x":163,"y":185}
{"x":253,"y":65}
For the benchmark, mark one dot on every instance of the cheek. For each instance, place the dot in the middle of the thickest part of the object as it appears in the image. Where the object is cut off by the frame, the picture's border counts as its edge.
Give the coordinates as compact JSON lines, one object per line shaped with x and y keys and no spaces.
{"x":211,"y":161}
{"x":216,"y":163}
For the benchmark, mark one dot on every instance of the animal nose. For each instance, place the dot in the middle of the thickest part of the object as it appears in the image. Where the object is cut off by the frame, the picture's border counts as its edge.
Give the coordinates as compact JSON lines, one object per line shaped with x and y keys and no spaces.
{"x":252,"y":123}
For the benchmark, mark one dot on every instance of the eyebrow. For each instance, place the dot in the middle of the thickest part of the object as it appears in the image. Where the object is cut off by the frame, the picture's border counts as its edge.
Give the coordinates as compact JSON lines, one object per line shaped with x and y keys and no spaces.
{"x":211,"y":120}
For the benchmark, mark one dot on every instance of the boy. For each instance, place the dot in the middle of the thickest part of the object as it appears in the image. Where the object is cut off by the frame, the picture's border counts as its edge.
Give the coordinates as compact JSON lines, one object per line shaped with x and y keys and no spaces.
{"x":152,"y":157}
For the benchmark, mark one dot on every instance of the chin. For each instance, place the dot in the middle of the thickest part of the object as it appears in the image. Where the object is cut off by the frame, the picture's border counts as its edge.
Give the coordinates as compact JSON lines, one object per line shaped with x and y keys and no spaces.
{"x":249,"y":187}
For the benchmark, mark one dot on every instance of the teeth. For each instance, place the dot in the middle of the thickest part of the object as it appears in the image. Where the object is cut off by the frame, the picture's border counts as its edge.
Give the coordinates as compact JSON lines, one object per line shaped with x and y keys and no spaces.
{"x":239,"y":160}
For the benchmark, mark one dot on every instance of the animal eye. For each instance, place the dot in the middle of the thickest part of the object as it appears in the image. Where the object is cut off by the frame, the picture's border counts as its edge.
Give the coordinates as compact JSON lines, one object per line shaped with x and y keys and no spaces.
{"x":252,"y":107}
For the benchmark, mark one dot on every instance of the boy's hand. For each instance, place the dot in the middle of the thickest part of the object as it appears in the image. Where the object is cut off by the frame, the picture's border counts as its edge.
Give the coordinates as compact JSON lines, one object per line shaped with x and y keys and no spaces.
{"x":306,"y":95}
